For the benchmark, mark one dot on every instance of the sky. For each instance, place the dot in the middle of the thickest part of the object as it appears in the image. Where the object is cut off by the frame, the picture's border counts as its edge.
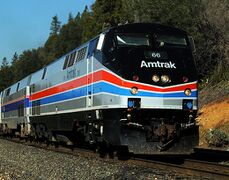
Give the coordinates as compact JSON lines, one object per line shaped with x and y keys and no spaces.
{"x":25,"y":24}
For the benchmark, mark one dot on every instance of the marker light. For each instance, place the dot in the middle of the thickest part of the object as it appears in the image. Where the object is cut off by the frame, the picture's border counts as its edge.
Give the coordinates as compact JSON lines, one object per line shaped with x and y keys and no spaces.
{"x":188,"y":92}
{"x":134,"y":90}
{"x":155,"y":78}
{"x":165,"y":78}
{"x":185,"y":79}
{"x":135,"y":78}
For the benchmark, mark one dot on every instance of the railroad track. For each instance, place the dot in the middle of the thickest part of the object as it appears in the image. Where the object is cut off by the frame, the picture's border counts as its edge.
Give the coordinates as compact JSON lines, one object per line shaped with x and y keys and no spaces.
{"x":177,"y":165}
{"x":213,"y":155}
{"x":189,"y":167}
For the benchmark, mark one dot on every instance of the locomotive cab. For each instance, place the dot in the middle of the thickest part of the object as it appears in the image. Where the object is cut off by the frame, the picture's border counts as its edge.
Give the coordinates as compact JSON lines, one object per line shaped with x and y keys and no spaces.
{"x":138,"y":54}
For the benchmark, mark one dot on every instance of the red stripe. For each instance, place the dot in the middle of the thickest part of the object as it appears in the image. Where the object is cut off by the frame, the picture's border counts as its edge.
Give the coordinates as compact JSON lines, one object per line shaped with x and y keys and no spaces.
{"x":61,"y":88}
{"x":106,"y":76}
{"x":115,"y":80}
{"x":68,"y":86}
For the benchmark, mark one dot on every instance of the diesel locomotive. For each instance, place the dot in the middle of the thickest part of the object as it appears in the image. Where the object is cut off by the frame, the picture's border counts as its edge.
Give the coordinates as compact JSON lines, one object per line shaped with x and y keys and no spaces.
{"x":133,"y":86}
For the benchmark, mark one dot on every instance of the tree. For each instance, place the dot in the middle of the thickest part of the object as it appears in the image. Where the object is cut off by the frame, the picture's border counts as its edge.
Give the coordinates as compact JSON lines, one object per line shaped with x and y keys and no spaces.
{"x":214,"y":54}
{"x":55,"y":26}
{"x":6,"y":77}
{"x":15,"y":58}
{"x":70,"y":17}
{"x":88,"y":25}
{"x":108,"y":13}
{"x":68,"y":38}
{"x":51,"y":49}
{"x":5,"y":63}
{"x":181,"y":14}
{"x":14,"y":67}
{"x":29,"y":61}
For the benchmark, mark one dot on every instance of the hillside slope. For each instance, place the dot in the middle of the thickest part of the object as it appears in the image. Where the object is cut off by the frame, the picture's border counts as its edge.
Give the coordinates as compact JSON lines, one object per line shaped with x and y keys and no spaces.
{"x":212,"y":116}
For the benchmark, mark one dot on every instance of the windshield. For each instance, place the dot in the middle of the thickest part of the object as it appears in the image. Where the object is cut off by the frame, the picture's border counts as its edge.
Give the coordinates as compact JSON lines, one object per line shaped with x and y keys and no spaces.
{"x":163,"y":39}
{"x":143,"y":40}
{"x":133,"y":40}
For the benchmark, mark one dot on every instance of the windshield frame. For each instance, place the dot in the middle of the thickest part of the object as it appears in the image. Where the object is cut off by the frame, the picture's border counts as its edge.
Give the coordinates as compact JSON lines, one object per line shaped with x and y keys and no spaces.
{"x":153,"y":40}
{"x":134,"y":35}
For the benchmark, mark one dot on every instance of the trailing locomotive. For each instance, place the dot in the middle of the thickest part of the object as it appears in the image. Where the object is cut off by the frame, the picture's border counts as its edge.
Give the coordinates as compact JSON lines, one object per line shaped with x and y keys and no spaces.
{"x":133,"y":86}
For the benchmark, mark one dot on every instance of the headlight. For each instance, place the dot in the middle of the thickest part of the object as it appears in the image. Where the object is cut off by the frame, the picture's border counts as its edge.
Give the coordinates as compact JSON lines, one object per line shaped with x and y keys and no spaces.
{"x":165,"y":78}
{"x":188,"y":92}
{"x":155,"y":78}
{"x":134,"y":90}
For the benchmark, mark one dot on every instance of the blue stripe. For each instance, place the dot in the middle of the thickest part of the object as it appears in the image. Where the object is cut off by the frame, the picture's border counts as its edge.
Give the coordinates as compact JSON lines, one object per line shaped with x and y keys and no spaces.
{"x":65,"y":96}
{"x":14,"y":106}
{"x":108,"y":88}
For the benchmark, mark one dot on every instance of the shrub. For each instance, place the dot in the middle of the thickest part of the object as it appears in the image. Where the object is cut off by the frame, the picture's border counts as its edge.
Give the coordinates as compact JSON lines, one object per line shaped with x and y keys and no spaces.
{"x":216,"y":137}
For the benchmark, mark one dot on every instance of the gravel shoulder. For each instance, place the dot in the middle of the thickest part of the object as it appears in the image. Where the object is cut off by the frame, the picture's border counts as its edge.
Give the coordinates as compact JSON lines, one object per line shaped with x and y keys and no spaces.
{"x":18,"y":161}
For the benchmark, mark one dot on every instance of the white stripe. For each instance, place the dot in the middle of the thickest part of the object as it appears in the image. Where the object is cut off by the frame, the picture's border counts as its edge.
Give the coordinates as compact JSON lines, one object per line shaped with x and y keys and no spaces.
{"x":167,"y":87}
{"x":63,"y":101}
{"x":114,"y":84}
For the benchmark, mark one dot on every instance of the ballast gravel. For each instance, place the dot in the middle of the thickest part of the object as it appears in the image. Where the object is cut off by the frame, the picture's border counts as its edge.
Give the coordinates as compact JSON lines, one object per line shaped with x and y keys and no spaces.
{"x":18,"y":161}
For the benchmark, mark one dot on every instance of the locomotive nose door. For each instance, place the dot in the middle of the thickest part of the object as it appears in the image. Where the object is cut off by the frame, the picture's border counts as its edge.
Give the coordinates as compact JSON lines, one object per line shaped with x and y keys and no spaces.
{"x":89,"y":81}
{"x":90,"y":71}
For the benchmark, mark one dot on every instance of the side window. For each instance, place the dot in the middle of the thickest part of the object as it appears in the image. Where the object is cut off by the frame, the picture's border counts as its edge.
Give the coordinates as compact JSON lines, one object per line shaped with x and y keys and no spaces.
{"x":32,"y":88}
{"x":36,"y":107}
{"x":44,"y":72}
{"x":66,"y":62}
{"x":18,"y":84}
{"x":69,"y":60}
{"x":76,"y":56}
{"x":21,"y":110}
{"x":81,"y":54}
{"x":7,"y":92}
{"x":72,"y":59}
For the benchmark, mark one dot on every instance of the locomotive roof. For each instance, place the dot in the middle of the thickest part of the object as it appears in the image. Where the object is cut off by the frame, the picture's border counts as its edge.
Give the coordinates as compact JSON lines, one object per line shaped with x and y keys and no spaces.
{"x":146,"y":27}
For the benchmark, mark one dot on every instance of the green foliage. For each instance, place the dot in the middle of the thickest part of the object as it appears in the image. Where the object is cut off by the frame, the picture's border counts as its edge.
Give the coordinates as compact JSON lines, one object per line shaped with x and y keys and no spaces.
{"x":172,"y":12}
{"x":15,"y":57}
{"x":70,"y":17}
{"x":216,"y":137}
{"x":108,"y":13}
{"x":29,"y":61}
{"x":88,"y":25}
{"x":6,"y":76}
{"x":68,"y":38}
{"x":52,"y":49}
{"x":55,"y":26}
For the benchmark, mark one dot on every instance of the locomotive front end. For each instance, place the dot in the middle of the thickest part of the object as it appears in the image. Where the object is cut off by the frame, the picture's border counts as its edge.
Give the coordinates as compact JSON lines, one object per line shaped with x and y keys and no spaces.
{"x":158,"y":88}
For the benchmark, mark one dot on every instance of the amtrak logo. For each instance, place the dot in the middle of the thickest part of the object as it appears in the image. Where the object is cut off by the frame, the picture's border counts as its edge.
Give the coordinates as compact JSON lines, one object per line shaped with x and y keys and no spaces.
{"x":158,"y":64}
